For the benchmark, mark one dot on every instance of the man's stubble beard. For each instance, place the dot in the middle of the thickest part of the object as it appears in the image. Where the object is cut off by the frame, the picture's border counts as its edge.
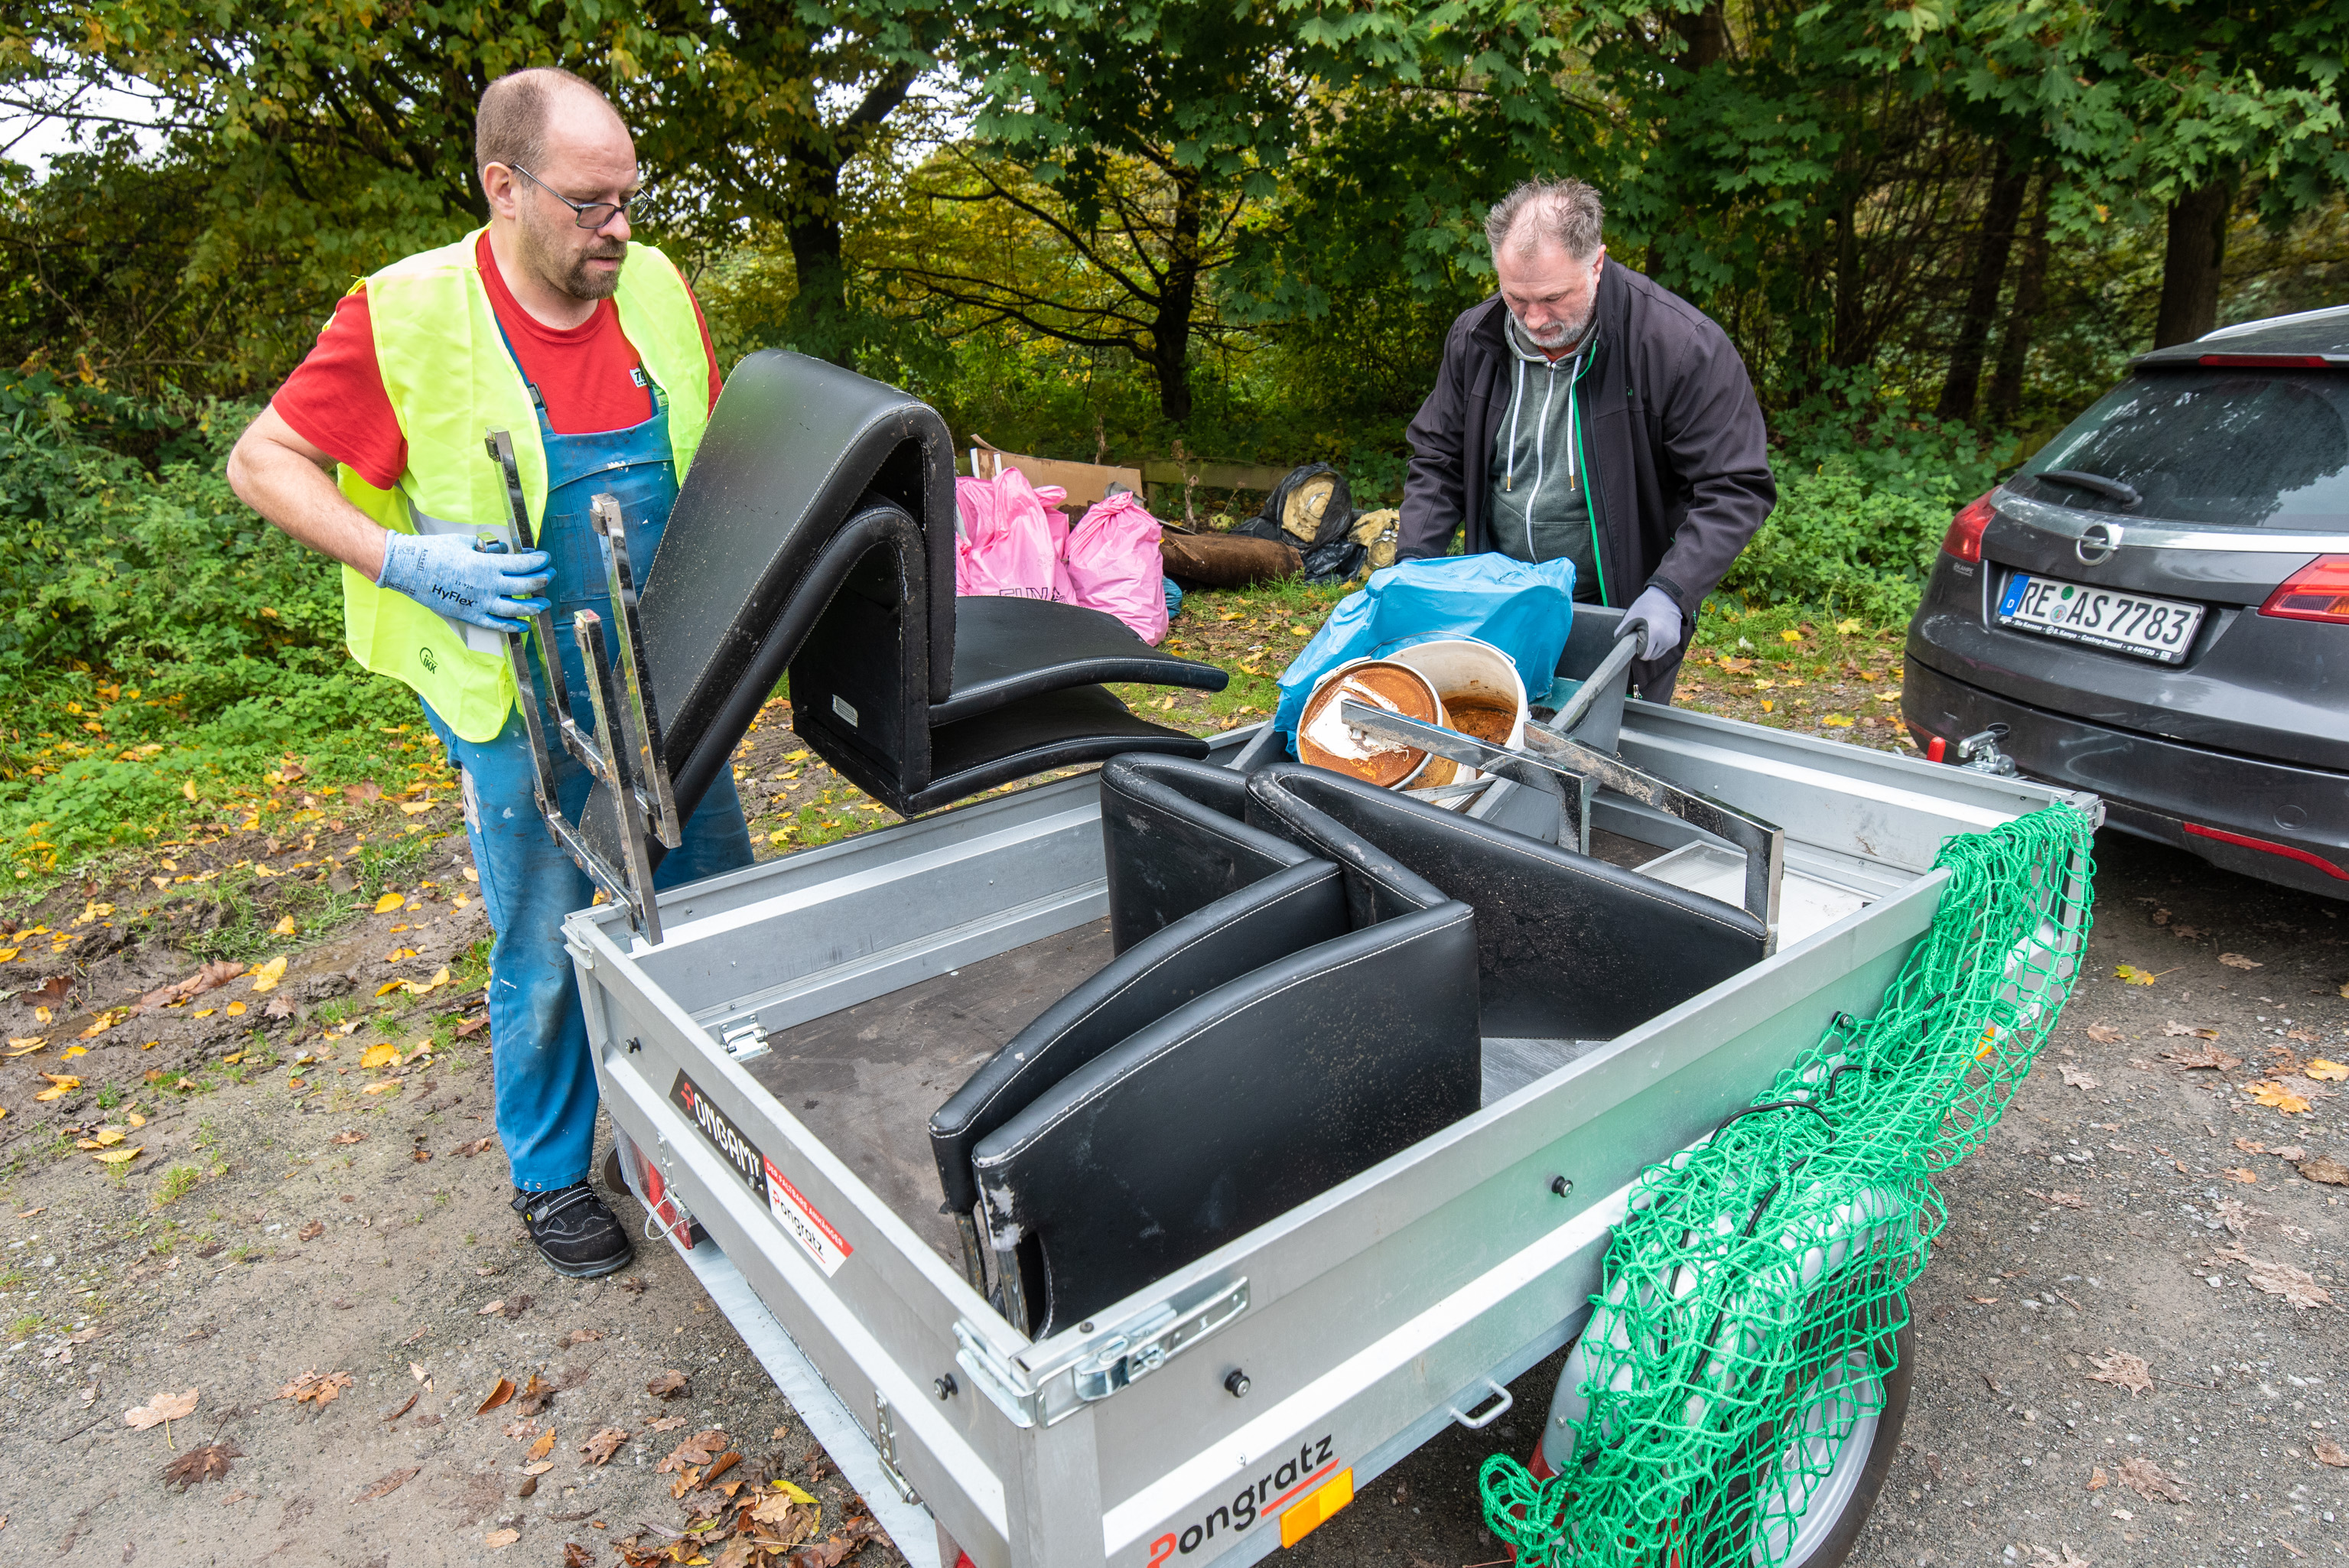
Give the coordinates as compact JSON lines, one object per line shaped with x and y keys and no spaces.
{"x":1563,"y":334}
{"x":561,"y":268}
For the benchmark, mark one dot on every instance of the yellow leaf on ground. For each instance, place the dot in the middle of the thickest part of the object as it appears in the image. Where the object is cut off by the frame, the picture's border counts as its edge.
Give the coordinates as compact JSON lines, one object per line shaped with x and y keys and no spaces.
{"x":70,"y":1052}
{"x":9,"y":955}
{"x":135,"y":1119}
{"x":2132,"y":976}
{"x":379,"y":1055}
{"x":283,"y":928}
{"x":416,"y":808}
{"x":385,"y":989}
{"x":1790,"y":635}
{"x":440,"y":978}
{"x":390,"y":901}
{"x":267,"y":977}
{"x":235,"y":1009}
{"x":472,"y":875}
{"x":1846,"y":628}
{"x":119,"y":1156}
{"x":2271,"y":1093}
{"x":1837,"y":721}
{"x":2326,"y":1072}
{"x":380,"y":1085}
{"x":399,"y":956}
{"x":793,"y":1493}
{"x":188,"y":787}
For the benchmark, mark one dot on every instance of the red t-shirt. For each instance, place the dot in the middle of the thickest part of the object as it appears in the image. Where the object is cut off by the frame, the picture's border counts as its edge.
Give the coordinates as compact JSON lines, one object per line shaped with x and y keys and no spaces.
{"x":589,"y":374}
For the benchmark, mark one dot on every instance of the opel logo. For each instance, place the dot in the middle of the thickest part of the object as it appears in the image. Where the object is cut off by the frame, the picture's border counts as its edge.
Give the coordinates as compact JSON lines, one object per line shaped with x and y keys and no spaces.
{"x":2097,"y":543}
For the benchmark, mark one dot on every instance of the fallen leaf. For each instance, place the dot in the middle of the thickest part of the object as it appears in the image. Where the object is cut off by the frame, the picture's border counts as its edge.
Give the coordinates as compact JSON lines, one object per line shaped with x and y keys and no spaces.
{"x":2297,"y":1286}
{"x":280,"y":1006}
{"x":667,"y":1386}
{"x":600,"y":1448}
{"x":491,"y":1310}
{"x":2293,"y":1154}
{"x":399,"y":956}
{"x":577,"y":1556}
{"x":697,"y":1449}
{"x":390,"y":901}
{"x":2271,"y":1093}
{"x":315,"y":1389}
{"x":2236,"y":960}
{"x":348,"y":1136}
{"x":2208,"y":1057}
{"x":2074,"y":1077}
{"x":498,"y":1395}
{"x":2248,"y":1147}
{"x":2067,"y":1200}
{"x":2325,"y":1169}
{"x":2043,"y":1558}
{"x":2145,"y":1478}
{"x":2105,"y":1035}
{"x":584,"y":1335}
{"x":61,"y":1086}
{"x":2238,"y":1173}
{"x":2097,"y":1479}
{"x":472,"y":1026}
{"x":199,"y":1465}
{"x":2122,"y":1370}
{"x":378,"y":1056}
{"x":381,"y":1086}
{"x":787,"y":1490}
{"x":2176,"y":1030}
{"x":2331,"y":1453}
{"x":266,"y":979}
{"x":539,"y":1449}
{"x":358,"y":794}
{"x":476,"y":1146}
{"x":389,"y":1484}
{"x":499,"y":1539}
{"x":2324,"y":1071}
{"x":118,"y":1156}
{"x":284,"y":927}
{"x":2131,"y":975}
{"x":310,"y":1231}
{"x":162,"y":1408}
{"x":665,"y":1423}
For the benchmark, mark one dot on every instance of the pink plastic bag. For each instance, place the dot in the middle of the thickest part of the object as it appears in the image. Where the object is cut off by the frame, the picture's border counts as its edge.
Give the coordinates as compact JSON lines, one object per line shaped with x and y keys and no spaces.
{"x":1114,"y":565}
{"x":1008,"y":543}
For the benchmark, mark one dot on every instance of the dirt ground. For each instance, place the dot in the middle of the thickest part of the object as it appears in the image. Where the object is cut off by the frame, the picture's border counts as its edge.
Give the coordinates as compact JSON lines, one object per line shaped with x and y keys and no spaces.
{"x":315,"y":1197}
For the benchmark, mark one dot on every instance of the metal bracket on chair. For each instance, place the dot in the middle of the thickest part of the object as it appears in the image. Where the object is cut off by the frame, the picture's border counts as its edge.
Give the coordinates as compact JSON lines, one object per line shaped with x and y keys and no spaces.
{"x":622,"y":753}
{"x":1576,"y":772}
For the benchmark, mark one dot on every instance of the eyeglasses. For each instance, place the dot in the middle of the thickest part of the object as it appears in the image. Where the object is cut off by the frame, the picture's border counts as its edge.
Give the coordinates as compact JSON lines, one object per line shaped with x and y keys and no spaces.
{"x":592,"y":215}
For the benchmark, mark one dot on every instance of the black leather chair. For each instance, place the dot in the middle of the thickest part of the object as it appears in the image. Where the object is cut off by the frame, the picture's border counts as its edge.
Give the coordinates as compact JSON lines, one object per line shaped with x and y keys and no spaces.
{"x":1568,"y":947}
{"x":1307,"y":1066}
{"x":815,"y":533}
{"x":1174,"y":841}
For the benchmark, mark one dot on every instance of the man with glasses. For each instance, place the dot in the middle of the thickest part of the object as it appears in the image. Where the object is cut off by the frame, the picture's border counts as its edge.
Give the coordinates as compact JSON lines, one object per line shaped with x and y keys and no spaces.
{"x":590,"y":353}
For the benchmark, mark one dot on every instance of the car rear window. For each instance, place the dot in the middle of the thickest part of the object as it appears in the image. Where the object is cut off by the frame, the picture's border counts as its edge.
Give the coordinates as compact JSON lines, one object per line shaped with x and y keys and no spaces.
{"x":2241,"y":448}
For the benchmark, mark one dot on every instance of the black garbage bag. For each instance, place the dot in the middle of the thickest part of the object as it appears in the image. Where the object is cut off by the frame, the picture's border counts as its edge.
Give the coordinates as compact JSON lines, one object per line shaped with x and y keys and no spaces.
{"x":1310,"y":506}
{"x":1336,"y":562}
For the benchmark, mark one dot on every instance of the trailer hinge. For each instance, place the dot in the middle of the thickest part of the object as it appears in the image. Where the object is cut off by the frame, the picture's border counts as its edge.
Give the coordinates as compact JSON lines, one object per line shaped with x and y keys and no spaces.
{"x":746,"y":1041}
{"x":884,"y":1440}
{"x":1039,"y":1391}
{"x":1143,"y":1344}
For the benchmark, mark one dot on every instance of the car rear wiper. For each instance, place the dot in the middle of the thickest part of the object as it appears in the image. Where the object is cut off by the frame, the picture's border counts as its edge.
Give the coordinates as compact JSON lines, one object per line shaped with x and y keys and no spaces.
{"x":2079,"y":478}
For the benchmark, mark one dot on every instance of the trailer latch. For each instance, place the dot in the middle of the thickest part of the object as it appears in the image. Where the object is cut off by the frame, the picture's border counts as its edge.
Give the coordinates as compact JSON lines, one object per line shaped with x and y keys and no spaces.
{"x":884,"y":1444}
{"x":746,"y":1041}
{"x":1140,"y":1347}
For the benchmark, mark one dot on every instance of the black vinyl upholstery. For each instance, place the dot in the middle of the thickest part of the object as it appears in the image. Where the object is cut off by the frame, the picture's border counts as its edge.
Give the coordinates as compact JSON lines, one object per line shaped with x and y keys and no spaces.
{"x":1174,"y":841}
{"x":1232,"y":1108}
{"x":1274,"y":917}
{"x":1568,"y":948}
{"x":815,"y":533}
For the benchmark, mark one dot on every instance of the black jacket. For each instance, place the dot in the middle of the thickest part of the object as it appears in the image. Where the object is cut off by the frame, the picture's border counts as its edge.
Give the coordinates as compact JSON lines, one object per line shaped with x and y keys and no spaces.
{"x":1676,"y":446}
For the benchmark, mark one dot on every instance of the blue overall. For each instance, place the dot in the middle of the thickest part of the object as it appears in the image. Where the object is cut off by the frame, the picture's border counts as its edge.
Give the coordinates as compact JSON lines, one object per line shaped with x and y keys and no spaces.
{"x":545,"y":1081}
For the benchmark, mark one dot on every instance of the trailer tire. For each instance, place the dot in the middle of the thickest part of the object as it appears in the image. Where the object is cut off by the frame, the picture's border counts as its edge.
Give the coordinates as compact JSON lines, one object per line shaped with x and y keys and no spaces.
{"x":1850,"y":1488}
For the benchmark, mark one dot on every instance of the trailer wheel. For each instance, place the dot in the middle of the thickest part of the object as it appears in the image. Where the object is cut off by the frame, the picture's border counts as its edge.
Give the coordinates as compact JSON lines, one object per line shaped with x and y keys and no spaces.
{"x":1830,"y":1523}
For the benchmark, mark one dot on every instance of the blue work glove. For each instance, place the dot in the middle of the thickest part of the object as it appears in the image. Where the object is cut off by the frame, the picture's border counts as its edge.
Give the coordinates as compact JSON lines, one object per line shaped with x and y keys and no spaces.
{"x":1662,"y":613}
{"x":445,"y":573}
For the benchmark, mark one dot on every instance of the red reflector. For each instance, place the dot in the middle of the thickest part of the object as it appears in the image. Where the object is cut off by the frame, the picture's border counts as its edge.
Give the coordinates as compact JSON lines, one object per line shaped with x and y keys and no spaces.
{"x":2267,"y":361}
{"x":1965,"y":536}
{"x":2268,"y":846}
{"x":2317,"y":592}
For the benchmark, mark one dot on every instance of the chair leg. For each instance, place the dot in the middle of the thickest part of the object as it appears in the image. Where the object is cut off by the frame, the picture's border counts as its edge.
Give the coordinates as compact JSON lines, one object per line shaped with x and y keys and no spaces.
{"x":974,"y":1267}
{"x":1013,"y":1290}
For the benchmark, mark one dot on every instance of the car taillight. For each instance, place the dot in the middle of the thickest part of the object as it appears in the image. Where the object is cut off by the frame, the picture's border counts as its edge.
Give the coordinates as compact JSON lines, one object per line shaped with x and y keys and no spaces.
{"x":1964,"y":537}
{"x":2317,"y":592}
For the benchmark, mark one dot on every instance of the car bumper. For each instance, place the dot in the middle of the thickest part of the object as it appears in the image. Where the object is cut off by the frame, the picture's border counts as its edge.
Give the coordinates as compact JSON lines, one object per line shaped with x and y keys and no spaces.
{"x":2277,"y":821}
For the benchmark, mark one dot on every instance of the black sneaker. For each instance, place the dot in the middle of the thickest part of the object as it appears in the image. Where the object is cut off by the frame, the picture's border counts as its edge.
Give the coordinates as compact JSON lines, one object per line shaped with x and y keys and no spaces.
{"x":575,"y":1231}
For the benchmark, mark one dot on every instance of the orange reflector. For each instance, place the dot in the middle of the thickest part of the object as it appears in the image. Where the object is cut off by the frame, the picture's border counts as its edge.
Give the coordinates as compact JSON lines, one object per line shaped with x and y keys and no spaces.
{"x":1307,"y":1513}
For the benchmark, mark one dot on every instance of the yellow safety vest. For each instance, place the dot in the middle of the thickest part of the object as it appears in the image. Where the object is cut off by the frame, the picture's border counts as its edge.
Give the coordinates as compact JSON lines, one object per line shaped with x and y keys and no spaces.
{"x":452,"y":380}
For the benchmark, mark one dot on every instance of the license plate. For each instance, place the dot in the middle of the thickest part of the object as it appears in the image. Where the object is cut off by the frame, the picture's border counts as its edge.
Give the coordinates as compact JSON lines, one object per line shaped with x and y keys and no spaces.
{"x":2150,"y":628}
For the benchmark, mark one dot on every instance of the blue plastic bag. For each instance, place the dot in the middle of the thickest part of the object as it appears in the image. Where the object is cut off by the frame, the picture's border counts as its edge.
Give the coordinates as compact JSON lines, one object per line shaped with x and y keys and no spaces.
{"x":1523,"y":609}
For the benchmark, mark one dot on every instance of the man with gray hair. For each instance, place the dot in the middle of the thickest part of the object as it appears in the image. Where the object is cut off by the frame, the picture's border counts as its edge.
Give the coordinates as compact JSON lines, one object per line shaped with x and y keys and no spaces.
{"x":1585,"y":412}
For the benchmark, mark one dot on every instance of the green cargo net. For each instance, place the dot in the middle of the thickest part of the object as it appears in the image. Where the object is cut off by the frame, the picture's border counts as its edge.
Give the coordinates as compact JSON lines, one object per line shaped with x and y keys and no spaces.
{"x":1753,"y":1294}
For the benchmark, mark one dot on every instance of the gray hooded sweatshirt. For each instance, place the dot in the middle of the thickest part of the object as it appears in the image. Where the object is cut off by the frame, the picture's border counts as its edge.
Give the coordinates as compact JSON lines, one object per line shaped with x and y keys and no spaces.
{"x":1540,"y":504}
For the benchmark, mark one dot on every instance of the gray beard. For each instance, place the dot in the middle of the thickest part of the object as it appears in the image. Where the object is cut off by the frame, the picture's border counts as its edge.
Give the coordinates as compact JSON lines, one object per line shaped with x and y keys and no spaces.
{"x":1565,"y":334}
{"x":567,"y":272}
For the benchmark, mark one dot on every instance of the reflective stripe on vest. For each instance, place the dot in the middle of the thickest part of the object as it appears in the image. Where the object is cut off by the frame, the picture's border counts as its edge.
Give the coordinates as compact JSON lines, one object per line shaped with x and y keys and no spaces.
{"x":452,"y":381}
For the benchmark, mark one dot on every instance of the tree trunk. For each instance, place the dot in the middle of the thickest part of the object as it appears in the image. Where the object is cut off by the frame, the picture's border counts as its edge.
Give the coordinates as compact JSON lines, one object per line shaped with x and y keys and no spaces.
{"x":1850,"y":303}
{"x":2021,"y":314}
{"x":2007,"y":183}
{"x":819,"y":316}
{"x":2190,"y":264}
{"x":1705,"y":35}
{"x":1178,"y":296}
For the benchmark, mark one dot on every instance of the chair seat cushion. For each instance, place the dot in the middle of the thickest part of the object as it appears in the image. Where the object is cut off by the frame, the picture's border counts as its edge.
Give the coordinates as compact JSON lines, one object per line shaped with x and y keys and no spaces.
{"x":1005,"y":648}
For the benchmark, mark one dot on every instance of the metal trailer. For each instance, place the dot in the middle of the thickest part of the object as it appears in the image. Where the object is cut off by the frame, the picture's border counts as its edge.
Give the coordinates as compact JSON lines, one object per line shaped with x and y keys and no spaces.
{"x":771,"y":1065}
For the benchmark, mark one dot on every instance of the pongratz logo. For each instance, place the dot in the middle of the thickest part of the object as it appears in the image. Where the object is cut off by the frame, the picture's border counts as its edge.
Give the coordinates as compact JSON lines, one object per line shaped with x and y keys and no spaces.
{"x":1264,"y":1498}
{"x":723,"y":1134}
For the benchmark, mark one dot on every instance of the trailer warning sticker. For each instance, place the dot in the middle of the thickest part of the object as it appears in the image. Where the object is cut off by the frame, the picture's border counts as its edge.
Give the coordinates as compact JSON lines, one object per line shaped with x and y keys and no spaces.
{"x":800,"y":1221}
{"x":797,"y":1217}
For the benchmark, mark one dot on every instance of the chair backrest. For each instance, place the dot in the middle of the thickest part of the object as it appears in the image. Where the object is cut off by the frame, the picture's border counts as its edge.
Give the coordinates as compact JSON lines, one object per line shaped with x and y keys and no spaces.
{"x":795,"y":448}
{"x":1232,"y":1109}
{"x":1568,"y":948}
{"x":1172,"y":835}
{"x":1267,"y":921}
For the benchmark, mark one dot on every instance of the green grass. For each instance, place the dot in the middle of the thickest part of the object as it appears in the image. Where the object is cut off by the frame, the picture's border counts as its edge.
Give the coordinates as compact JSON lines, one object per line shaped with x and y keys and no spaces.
{"x":178,"y":1183}
{"x":23,"y":1327}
